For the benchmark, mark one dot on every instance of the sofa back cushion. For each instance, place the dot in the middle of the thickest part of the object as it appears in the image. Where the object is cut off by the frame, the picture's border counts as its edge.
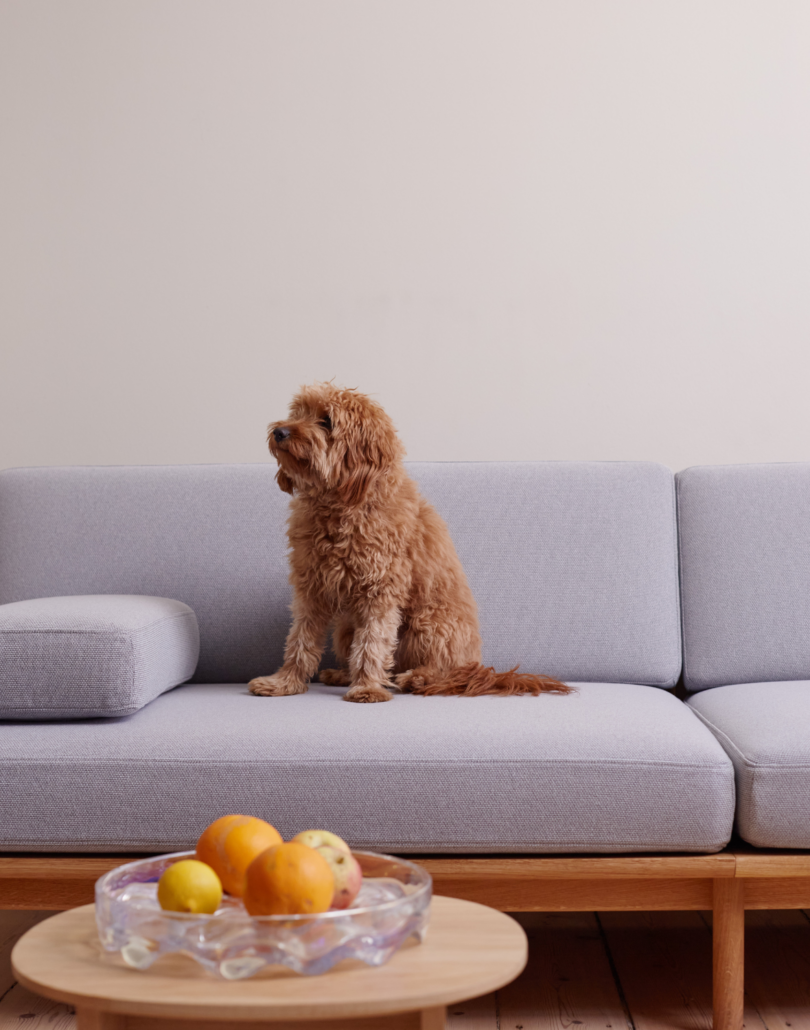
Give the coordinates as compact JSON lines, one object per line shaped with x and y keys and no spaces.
{"x":573,"y":564}
{"x":212,"y":536}
{"x":745,"y":573}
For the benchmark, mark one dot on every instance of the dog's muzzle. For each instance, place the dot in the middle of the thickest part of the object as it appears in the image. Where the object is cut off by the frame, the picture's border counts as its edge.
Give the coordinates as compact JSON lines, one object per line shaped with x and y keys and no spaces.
{"x":281,"y":434}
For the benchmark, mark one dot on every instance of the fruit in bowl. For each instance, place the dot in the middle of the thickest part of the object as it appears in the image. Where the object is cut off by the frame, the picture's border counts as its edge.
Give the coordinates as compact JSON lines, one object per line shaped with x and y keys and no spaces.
{"x":320,"y":838}
{"x":345,"y":867}
{"x":231,"y":843}
{"x":246,"y":856}
{"x":289,"y":879}
{"x":347,"y":874}
{"x":189,"y":886}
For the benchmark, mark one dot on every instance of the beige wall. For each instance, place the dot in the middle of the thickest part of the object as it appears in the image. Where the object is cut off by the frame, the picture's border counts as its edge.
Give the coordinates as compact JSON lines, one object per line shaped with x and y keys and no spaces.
{"x":566,"y":229}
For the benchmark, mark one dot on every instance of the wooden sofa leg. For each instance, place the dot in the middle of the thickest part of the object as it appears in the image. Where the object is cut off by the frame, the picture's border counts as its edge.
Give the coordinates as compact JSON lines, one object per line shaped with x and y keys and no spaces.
{"x":728,"y":939}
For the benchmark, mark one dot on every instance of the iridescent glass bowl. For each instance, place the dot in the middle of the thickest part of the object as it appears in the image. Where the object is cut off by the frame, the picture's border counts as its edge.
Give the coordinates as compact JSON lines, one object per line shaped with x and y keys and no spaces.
{"x":393,"y":904}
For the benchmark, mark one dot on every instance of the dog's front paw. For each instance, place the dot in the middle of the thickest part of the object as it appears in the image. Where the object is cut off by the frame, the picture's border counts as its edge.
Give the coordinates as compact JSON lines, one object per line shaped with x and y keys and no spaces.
{"x":334,"y":677}
{"x":367,"y":695}
{"x":276,"y":686}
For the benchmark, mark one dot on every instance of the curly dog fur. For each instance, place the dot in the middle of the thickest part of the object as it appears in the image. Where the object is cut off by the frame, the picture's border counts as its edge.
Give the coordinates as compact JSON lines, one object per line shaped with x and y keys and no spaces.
{"x":373,"y":559}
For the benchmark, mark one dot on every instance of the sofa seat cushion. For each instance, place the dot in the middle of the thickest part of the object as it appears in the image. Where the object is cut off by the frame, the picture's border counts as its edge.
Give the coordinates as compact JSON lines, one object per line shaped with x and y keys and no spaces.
{"x":611,"y":768}
{"x":763,"y":727}
{"x":100,"y":655}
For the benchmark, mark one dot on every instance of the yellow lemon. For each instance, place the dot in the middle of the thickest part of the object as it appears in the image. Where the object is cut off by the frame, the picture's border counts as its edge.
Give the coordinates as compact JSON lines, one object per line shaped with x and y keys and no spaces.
{"x":189,"y":886}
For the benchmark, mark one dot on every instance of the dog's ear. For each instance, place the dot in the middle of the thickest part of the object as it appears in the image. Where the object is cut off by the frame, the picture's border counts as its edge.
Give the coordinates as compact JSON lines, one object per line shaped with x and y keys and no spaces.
{"x":364,"y":464}
{"x":284,"y":481}
{"x":370,"y":447}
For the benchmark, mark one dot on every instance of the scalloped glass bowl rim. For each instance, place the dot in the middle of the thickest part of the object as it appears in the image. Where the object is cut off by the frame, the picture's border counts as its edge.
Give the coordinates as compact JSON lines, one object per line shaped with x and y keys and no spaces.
{"x":236,"y":914}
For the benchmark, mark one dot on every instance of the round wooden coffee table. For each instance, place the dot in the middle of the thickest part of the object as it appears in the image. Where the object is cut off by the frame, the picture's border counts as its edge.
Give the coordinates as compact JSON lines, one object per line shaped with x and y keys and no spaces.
{"x":469,"y":950}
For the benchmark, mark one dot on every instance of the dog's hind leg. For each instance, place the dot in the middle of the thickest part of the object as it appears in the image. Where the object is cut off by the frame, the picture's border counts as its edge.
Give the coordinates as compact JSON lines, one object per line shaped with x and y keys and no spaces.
{"x":412,"y":680}
{"x":446,"y":659}
{"x":342,"y":637}
{"x":432,"y":645}
{"x":335,"y":677}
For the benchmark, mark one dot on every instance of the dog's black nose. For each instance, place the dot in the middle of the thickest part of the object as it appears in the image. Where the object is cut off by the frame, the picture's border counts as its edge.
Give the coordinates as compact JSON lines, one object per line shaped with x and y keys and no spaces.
{"x":281,"y":434}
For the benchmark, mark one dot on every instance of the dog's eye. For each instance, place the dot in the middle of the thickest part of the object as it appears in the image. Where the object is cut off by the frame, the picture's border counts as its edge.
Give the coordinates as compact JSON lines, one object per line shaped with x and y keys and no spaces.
{"x":326,"y":422}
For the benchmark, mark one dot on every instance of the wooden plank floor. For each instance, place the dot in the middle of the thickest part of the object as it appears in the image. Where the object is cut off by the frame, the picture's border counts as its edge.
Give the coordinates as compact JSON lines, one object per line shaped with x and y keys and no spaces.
{"x":608,"y":971}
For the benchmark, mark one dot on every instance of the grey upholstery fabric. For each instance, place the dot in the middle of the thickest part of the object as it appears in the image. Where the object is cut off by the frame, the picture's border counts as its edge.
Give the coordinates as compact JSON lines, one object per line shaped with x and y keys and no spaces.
{"x":763,"y":727}
{"x":573,"y":565}
{"x":212,"y":536}
{"x":108,"y":655}
{"x":611,"y":768}
{"x":745,"y":573}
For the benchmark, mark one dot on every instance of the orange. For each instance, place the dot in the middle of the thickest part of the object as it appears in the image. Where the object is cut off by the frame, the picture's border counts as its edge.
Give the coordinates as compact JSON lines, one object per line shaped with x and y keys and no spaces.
{"x":289,"y":879}
{"x":231,"y":843}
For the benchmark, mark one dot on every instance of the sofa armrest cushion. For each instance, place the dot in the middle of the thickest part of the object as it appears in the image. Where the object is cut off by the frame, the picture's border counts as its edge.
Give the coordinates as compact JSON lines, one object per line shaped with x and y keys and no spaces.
{"x":103,"y":655}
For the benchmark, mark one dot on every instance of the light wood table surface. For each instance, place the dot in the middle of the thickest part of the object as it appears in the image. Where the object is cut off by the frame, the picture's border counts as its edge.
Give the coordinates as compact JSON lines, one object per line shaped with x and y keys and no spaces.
{"x":470,"y":950}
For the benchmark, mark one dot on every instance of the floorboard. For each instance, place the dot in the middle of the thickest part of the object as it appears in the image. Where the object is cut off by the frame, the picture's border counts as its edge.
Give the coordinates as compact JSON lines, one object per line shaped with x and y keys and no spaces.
{"x":476,"y":1014}
{"x":13,"y":925}
{"x":22,"y":1010}
{"x":568,"y":981}
{"x":777,"y":967}
{"x":663,"y":961}
{"x":18,"y":1007}
{"x":612,"y":971}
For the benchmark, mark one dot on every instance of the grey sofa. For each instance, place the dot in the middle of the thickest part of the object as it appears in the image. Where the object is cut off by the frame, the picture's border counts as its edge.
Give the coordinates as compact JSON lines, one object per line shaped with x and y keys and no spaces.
{"x":575,"y":569}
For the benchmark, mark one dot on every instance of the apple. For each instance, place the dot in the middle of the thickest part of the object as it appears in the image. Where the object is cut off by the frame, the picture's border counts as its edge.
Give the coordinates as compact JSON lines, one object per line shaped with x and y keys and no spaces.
{"x":347,"y":873}
{"x":318,"y":838}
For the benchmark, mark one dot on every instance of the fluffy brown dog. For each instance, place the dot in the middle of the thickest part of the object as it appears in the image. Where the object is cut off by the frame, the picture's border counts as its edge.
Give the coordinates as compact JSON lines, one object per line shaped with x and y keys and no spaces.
{"x":372,"y":557}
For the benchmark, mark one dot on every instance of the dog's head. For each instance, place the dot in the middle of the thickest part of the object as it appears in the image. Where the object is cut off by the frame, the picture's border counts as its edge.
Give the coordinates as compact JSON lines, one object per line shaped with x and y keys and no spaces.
{"x":333,"y":440}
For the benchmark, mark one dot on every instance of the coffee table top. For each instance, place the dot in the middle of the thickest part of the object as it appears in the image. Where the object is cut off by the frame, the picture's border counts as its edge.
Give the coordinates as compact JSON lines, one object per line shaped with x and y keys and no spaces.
{"x":470,"y":950}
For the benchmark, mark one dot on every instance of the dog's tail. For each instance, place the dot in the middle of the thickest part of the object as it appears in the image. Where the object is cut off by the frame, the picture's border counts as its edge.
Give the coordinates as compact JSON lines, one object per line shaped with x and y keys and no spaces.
{"x":474,"y":679}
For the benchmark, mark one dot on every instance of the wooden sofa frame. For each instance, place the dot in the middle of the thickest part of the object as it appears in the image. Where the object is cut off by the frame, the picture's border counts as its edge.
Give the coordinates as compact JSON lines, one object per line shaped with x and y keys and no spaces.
{"x":727,"y":883}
